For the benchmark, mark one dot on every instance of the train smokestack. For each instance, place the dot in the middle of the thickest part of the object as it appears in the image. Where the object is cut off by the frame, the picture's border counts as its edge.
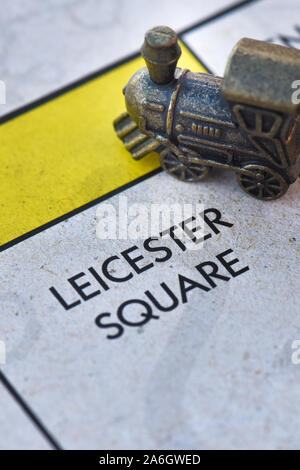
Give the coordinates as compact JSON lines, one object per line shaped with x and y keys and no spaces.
{"x":161,"y":52}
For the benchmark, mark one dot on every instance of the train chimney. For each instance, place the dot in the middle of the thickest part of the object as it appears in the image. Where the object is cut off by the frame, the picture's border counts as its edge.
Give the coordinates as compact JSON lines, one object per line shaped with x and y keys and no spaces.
{"x":161,"y":52}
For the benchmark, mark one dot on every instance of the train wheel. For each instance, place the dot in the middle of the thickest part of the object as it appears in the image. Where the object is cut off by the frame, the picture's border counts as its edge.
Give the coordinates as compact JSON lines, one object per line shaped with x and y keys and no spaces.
{"x":262,"y":183}
{"x":190,"y":172}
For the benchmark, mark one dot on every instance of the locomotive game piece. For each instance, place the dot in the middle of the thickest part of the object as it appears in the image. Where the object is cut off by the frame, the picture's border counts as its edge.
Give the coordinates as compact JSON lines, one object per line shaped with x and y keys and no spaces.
{"x":246,"y":122}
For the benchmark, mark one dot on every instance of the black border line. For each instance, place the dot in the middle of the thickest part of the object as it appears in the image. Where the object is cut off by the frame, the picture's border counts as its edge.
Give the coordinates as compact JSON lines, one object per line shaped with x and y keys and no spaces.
{"x":38,"y":423}
{"x":66,"y":216}
{"x":71,"y":86}
{"x":224,"y":11}
{"x":30,"y":106}
{"x":191,"y":51}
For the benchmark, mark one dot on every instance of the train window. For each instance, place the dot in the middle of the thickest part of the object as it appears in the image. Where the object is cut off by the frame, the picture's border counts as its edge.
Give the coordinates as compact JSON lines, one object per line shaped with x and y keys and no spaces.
{"x":248,"y":118}
{"x":256,"y":121}
{"x":268,"y":121}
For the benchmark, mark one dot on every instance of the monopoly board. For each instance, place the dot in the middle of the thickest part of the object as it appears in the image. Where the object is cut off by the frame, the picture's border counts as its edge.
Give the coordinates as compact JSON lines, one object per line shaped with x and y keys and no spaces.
{"x":81,"y":366}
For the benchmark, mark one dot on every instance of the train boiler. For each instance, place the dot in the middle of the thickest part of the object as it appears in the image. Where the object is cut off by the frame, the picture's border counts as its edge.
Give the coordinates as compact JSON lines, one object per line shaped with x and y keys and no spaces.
{"x":247,"y":121}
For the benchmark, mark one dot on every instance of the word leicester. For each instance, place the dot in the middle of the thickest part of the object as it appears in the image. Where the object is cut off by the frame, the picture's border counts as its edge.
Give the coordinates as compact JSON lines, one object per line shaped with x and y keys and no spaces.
{"x":131,"y":262}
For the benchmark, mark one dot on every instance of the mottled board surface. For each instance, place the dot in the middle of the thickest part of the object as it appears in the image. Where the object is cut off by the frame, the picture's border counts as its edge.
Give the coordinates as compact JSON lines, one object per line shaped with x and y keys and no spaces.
{"x":214,"y":371}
